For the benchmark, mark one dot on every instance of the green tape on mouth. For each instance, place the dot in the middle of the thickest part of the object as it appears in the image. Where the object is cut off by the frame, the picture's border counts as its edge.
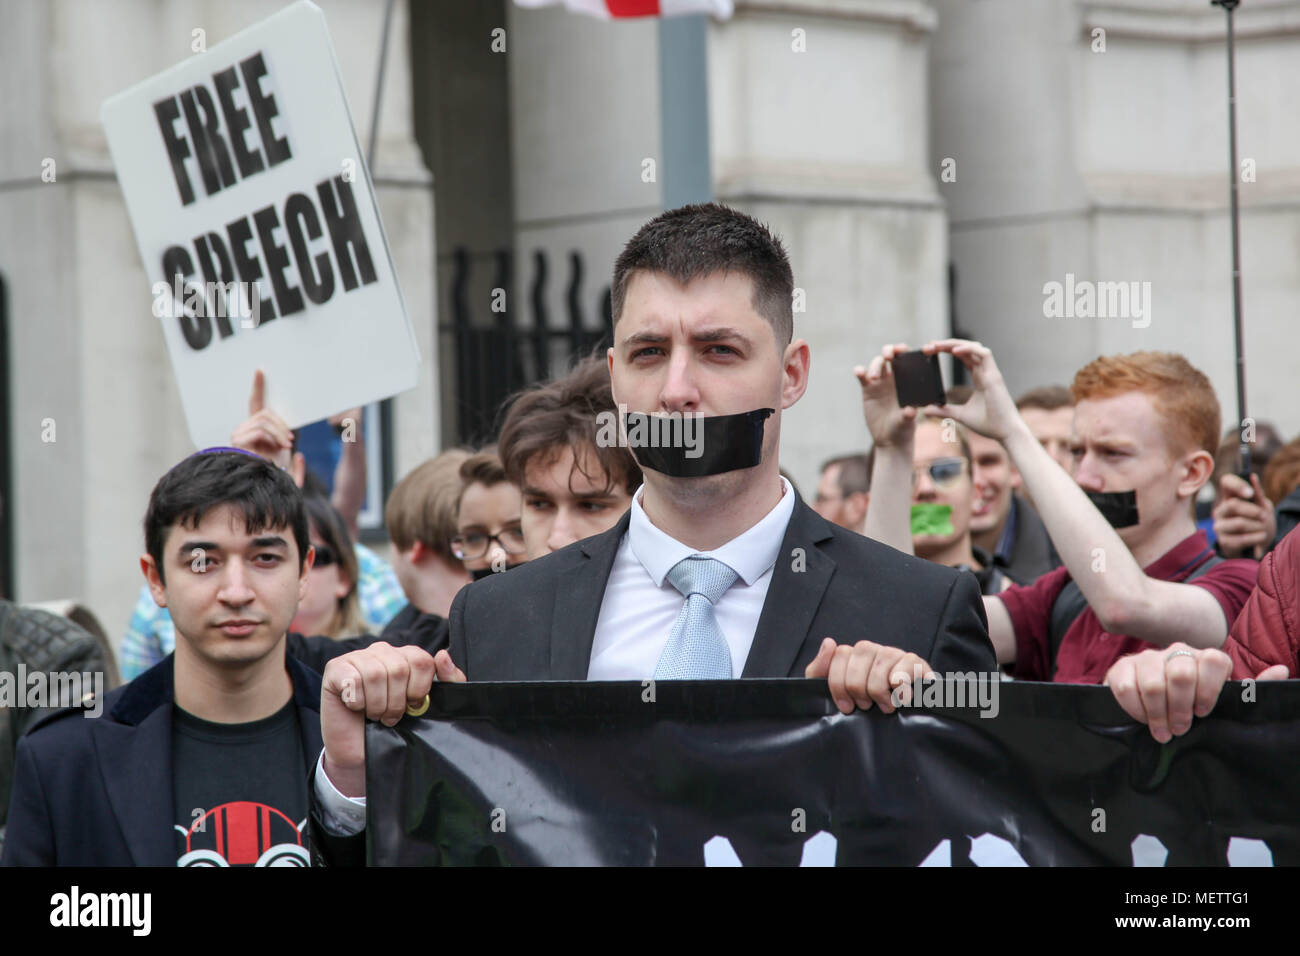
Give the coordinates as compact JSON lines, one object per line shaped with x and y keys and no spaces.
{"x":931,"y":519}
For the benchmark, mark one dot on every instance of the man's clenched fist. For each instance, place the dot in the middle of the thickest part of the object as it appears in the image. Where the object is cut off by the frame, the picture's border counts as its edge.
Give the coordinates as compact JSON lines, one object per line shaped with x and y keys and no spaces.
{"x":378,"y":682}
{"x":865,"y":673}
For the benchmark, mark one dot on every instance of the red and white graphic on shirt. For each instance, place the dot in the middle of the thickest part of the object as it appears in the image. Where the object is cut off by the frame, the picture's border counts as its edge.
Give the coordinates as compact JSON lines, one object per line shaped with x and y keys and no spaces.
{"x":244,"y":833}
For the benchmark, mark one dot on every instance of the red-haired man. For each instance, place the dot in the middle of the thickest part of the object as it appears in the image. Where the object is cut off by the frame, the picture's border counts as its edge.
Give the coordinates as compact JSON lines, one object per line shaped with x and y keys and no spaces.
{"x":1137,"y":573}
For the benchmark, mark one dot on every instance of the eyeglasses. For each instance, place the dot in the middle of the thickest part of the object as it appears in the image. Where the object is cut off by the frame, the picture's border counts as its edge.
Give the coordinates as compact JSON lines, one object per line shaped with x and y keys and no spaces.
{"x":469,"y":547}
{"x":944,"y":472}
{"x":325,"y":556}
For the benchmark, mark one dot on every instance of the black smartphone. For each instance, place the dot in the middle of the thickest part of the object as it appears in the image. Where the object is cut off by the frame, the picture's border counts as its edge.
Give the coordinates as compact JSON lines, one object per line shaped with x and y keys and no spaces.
{"x":917,"y":379}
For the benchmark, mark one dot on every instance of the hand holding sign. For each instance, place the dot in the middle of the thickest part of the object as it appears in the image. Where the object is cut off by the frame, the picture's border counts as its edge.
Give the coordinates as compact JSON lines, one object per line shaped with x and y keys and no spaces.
{"x":1164,"y":688}
{"x":378,"y":682}
{"x":865,"y":673}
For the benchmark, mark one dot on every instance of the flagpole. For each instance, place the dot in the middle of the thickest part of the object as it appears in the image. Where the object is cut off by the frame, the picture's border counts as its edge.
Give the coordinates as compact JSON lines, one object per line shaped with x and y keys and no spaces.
{"x":1243,"y":450}
{"x":385,"y":405}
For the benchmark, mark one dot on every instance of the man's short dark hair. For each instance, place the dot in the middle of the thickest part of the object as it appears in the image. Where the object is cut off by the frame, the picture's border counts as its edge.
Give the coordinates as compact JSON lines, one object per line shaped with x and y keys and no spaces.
{"x":266,"y":495}
{"x":563,"y":413}
{"x":698,"y":240}
{"x":855,"y":473}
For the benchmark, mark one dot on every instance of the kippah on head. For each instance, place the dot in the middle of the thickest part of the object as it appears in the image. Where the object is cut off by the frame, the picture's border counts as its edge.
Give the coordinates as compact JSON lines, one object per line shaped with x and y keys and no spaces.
{"x":215,"y":449}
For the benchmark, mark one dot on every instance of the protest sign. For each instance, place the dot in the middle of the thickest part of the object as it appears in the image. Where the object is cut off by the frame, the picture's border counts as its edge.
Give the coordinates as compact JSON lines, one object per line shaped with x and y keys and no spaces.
{"x":257,"y":224}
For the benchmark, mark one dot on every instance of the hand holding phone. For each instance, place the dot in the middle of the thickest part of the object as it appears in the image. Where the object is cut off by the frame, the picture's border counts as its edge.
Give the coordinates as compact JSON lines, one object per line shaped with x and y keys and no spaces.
{"x":917,"y":379}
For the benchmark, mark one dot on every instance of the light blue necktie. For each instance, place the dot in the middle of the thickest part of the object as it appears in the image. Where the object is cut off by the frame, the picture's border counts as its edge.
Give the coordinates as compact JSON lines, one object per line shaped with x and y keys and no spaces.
{"x":696,"y":649}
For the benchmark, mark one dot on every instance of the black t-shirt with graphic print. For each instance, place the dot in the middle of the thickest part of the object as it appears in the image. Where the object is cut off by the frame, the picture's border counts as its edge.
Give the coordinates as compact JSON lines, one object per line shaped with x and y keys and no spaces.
{"x":240,"y":790}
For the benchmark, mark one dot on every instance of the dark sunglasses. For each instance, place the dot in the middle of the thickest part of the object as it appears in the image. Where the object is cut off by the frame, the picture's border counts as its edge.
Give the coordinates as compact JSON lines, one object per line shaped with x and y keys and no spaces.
{"x":944,"y":472}
{"x":325,"y":556}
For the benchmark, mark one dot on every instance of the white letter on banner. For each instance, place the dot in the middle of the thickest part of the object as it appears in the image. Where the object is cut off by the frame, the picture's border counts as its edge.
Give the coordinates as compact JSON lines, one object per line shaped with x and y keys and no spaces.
{"x":989,"y":850}
{"x":1243,"y":851}
{"x":941,"y":855}
{"x":818,"y":850}
{"x":1148,"y":850}
{"x":720,"y":852}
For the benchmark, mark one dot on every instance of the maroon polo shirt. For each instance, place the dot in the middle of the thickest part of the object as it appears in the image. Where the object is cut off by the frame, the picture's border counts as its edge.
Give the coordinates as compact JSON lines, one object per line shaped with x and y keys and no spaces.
{"x":1087,"y":651}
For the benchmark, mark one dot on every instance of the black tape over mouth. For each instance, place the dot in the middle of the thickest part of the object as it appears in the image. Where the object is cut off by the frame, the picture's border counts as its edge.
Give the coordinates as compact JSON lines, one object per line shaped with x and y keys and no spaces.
{"x":1120,"y":508}
{"x":686,"y":446}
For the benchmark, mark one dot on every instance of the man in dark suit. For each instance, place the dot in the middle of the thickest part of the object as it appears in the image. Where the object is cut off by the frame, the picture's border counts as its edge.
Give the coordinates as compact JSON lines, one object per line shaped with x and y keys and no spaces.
{"x":540,"y":621}
{"x":202,"y":760}
{"x":718,"y":570}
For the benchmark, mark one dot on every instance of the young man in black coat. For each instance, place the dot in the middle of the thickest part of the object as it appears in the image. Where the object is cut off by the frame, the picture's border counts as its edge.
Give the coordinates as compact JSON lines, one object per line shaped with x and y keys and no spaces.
{"x":203,"y":759}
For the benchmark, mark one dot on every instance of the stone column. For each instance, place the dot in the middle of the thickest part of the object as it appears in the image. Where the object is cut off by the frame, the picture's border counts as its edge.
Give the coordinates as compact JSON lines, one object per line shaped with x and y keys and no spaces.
{"x":818,"y":114}
{"x":1090,"y":144}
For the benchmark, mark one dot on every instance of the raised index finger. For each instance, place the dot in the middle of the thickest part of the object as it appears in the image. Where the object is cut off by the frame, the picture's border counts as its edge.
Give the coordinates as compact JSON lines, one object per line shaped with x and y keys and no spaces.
{"x":257,"y":400}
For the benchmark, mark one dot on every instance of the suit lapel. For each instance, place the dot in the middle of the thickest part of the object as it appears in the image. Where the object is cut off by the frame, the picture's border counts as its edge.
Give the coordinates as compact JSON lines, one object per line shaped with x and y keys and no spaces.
{"x":799,"y":579}
{"x":580,"y":590}
{"x":135,"y":761}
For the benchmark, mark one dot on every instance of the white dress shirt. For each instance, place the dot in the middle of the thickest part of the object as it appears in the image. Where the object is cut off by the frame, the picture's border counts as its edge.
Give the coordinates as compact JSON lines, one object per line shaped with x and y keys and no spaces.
{"x":638,"y":612}
{"x":641,"y":606}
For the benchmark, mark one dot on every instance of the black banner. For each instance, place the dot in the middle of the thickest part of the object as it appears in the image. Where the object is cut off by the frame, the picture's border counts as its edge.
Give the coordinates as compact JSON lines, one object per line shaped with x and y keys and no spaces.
{"x":768,"y":772}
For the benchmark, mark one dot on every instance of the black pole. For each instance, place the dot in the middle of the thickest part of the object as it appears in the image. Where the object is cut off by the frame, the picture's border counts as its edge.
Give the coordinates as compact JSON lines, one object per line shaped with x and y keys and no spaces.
{"x":1243,"y":463}
{"x":379,"y":85}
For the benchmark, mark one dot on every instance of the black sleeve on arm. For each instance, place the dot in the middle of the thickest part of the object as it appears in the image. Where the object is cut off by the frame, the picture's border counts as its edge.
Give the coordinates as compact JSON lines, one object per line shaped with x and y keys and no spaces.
{"x":316,"y":652}
{"x":962,"y":643}
{"x":457,"y":645}
{"x":327,"y":849}
{"x":441,"y":638}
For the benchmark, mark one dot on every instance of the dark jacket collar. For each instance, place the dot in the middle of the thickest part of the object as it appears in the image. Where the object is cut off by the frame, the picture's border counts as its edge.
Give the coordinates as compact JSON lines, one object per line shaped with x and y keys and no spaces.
{"x":800,"y":577}
{"x":137,"y":699}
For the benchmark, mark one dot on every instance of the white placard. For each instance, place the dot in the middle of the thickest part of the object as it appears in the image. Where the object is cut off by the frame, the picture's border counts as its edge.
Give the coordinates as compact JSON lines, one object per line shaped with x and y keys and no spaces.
{"x":241,"y":165}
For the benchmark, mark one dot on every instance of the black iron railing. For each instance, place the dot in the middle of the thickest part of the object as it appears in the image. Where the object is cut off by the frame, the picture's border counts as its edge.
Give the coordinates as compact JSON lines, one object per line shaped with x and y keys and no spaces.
{"x":503,"y":342}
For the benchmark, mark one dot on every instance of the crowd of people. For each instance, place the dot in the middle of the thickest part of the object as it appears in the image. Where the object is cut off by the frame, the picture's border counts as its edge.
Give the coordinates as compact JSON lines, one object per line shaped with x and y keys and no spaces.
{"x":1096,"y":533}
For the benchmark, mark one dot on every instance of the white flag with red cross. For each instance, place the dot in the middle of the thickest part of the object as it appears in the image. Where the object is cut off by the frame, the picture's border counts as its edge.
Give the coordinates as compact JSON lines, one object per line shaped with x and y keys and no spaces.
{"x":608,"y":9}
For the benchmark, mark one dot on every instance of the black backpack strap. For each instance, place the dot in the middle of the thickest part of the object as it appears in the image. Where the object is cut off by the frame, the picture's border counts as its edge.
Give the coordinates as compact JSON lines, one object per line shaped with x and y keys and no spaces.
{"x":1214,"y":559}
{"x":997,"y":580}
{"x":1070,"y":603}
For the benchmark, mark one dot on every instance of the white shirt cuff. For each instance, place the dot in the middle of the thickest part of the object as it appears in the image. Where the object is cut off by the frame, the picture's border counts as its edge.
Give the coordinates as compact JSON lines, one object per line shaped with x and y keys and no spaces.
{"x":342,"y":816}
